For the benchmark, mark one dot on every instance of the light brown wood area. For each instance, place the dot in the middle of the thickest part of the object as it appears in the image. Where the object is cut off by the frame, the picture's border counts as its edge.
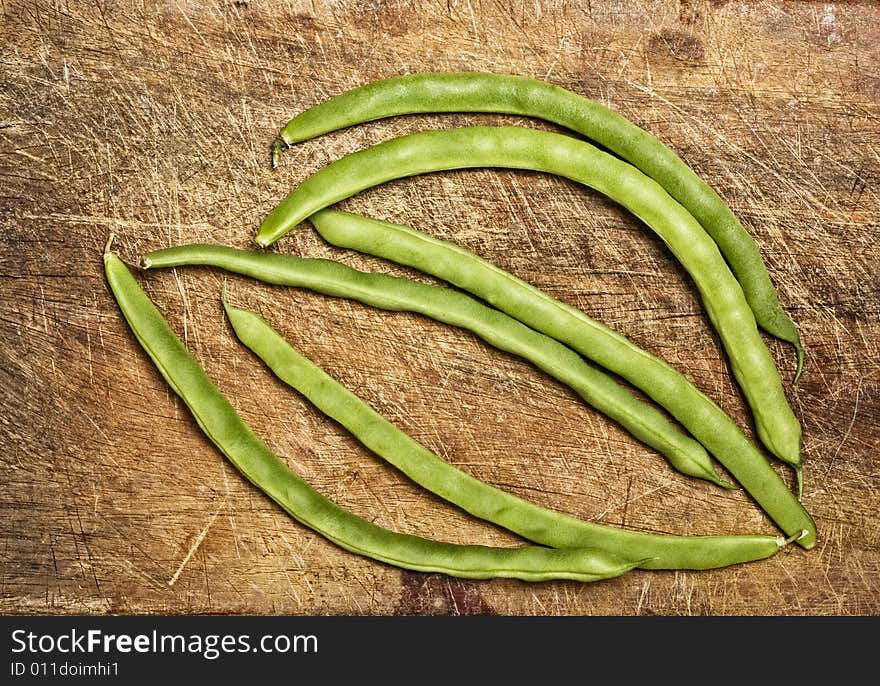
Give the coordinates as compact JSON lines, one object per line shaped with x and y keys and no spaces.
{"x":154,"y":120}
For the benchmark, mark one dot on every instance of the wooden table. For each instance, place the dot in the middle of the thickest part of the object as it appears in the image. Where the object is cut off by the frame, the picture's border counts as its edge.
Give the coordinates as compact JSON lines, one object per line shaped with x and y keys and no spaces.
{"x":153,"y":121}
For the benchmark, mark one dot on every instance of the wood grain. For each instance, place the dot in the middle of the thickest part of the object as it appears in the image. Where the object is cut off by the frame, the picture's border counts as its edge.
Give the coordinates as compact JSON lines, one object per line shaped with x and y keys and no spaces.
{"x":153,"y":121}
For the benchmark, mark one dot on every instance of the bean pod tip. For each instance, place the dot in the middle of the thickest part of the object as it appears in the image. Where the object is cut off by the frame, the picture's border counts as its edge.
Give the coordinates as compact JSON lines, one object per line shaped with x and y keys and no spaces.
{"x":278,"y":146}
{"x":108,"y":245}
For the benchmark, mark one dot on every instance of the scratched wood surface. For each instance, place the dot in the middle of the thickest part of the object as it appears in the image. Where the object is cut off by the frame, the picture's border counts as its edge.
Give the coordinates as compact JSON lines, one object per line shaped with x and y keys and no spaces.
{"x":153,"y":121}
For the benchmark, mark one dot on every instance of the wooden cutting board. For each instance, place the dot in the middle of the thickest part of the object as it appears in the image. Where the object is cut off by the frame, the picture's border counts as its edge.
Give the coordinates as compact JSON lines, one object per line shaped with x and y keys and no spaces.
{"x":153,"y":121}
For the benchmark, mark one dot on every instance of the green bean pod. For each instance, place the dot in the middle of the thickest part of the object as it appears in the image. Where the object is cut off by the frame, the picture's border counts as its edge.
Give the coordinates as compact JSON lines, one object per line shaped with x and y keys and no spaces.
{"x":532,"y":522}
{"x":518,"y":95}
{"x":704,"y":419}
{"x":252,"y":457}
{"x":642,"y":420}
{"x":514,"y":147}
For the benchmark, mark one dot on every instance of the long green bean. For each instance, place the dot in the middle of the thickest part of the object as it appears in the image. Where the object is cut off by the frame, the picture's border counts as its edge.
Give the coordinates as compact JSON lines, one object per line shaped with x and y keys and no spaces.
{"x":532,"y":522}
{"x":642,"y":420}
{"x":518,"y":95}
{"x":252,"y":457}
{"x":514,"y":147}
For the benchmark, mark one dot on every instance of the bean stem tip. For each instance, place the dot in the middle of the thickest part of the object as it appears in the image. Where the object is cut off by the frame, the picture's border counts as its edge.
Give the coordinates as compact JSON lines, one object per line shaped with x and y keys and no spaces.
{"x":800,"y":361}
{"x":109,"y":243}
{"x":278,"y":146}
{"x":782,"y":541}
{"x":223,"y":299}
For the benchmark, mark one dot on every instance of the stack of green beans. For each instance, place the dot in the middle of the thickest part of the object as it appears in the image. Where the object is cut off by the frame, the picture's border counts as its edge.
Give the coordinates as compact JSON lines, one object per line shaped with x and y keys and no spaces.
{"x":648,"y":179}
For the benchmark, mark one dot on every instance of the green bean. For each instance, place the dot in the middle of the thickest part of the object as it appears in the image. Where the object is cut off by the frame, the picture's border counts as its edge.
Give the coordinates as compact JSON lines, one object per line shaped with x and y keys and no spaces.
{"x":597,"y":388}
{"x":220,"y":422}
{"x":514,"y":147}
{"x":706,"y":421}
{"x":532,"y":522}
{"x":485,"y":92}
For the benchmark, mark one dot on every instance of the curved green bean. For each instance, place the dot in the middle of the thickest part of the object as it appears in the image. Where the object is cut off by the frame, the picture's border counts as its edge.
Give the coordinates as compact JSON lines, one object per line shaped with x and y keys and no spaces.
{"x":256,"y":462}
{"x":597,"y":388}
{"x":532,"y":522}
{"x":503,"y":93}
{"x":513,"y":147}
{"x":697,"y":412}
